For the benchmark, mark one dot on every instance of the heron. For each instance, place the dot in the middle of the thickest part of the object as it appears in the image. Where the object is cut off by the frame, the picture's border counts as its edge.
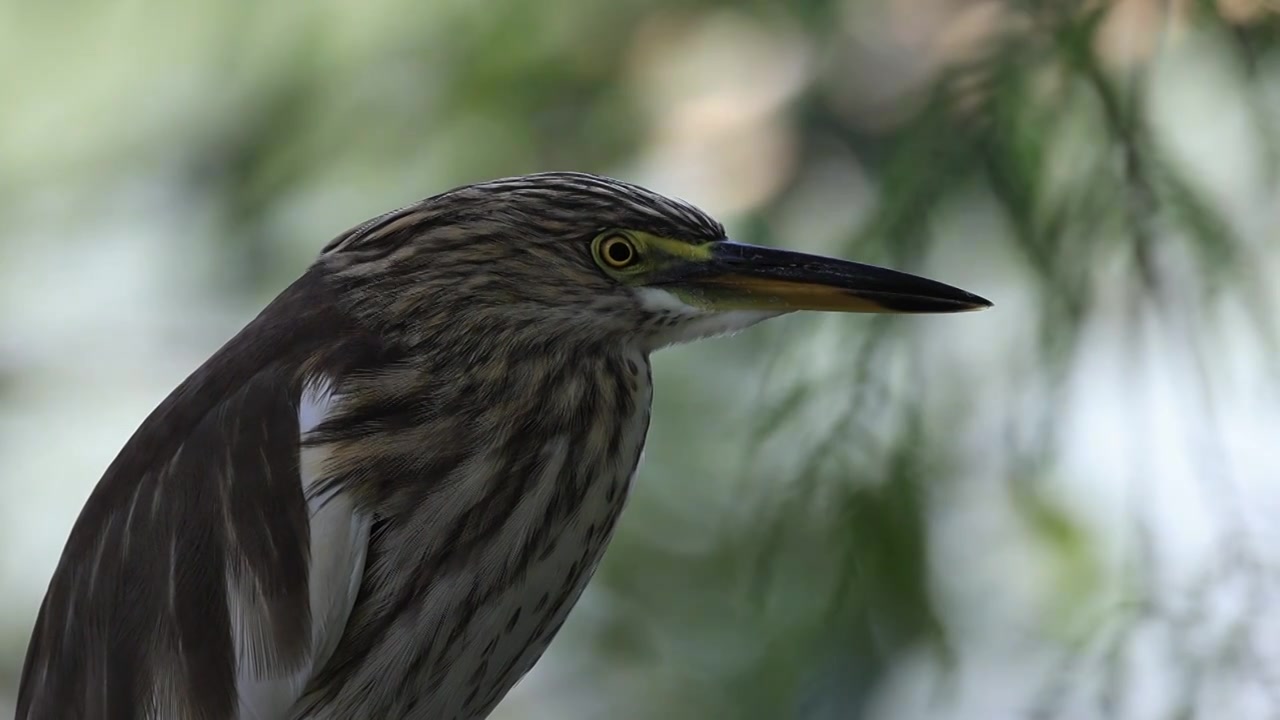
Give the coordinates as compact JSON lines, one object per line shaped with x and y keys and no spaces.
{"x":382,"y":497}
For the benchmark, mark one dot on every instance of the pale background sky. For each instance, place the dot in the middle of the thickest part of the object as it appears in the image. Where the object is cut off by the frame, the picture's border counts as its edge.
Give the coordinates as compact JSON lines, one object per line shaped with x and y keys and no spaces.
{"x":115,"y":284}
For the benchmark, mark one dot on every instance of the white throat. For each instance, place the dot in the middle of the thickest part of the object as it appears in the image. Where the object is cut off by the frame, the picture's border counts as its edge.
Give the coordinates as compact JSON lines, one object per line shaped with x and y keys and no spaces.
{"x":695,"y":323}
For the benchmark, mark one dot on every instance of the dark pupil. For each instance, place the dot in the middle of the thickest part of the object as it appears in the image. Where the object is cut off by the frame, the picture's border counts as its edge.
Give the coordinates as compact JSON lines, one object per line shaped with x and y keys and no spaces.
{"x":619,"y":252}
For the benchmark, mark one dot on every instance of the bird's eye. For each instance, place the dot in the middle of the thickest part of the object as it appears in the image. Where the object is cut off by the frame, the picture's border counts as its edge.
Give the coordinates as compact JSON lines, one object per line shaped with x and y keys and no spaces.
{"x":617,"y":251}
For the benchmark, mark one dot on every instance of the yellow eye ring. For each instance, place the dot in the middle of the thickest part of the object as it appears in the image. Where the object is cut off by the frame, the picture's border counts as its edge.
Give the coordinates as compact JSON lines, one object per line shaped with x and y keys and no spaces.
{"x":617,"y":251}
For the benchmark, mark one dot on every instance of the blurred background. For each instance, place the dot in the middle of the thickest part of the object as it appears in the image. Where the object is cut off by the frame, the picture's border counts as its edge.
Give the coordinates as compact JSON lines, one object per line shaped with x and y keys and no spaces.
{"x":1064,"y":507}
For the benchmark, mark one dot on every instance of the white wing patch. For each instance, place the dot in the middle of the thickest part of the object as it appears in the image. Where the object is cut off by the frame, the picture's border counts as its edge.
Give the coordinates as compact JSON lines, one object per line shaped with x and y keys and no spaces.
{"x":339,"y":541}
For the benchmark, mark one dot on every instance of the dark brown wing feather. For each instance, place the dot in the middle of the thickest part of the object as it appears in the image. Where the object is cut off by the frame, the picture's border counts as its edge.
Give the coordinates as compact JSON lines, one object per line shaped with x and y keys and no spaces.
{"x":136,"y":618}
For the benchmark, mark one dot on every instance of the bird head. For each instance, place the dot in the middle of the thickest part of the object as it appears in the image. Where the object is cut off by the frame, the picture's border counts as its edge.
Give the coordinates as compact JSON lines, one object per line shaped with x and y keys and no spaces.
{"x":570,"y":254}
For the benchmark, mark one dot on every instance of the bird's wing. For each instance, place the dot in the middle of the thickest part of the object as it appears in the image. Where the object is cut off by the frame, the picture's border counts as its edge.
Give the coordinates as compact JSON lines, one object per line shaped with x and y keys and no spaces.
{"x":200,"y":579}
{"x":339,"y":539}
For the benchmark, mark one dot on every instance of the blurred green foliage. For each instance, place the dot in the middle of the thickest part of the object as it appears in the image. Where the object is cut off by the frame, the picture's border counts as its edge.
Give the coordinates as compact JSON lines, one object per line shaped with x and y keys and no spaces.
{"x":837,"y":519}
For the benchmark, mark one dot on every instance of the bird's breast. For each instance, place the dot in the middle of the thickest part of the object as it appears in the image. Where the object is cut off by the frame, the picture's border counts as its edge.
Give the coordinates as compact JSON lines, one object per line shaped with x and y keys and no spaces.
{"x":463,"y":594}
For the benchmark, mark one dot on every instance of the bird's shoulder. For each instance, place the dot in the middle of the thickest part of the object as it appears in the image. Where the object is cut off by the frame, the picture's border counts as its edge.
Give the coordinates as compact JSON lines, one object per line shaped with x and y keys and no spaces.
{"x":186,"y":571}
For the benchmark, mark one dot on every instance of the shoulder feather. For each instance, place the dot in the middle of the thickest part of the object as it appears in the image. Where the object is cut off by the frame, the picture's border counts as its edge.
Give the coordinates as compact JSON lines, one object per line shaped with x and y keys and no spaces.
{"x":188,"y":569}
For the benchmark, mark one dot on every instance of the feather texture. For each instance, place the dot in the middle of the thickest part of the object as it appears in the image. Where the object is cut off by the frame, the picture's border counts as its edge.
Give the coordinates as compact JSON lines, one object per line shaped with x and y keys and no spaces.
{"x":339,"y":539}
{"x":188,"y":567}
{"x":382,"y":498}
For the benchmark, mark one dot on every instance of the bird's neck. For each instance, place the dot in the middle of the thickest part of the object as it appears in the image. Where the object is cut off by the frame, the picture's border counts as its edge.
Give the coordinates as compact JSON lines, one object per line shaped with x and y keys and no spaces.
{"x":447,"y":397}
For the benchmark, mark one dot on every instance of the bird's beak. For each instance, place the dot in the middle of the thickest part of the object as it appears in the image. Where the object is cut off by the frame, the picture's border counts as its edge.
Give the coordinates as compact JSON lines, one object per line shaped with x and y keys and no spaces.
{"x":735,"y":276}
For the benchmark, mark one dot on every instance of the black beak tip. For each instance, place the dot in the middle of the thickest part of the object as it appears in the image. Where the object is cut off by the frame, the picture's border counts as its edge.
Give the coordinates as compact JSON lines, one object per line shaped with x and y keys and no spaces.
{"x":978,"y":302}
{"x":954,"y":301}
